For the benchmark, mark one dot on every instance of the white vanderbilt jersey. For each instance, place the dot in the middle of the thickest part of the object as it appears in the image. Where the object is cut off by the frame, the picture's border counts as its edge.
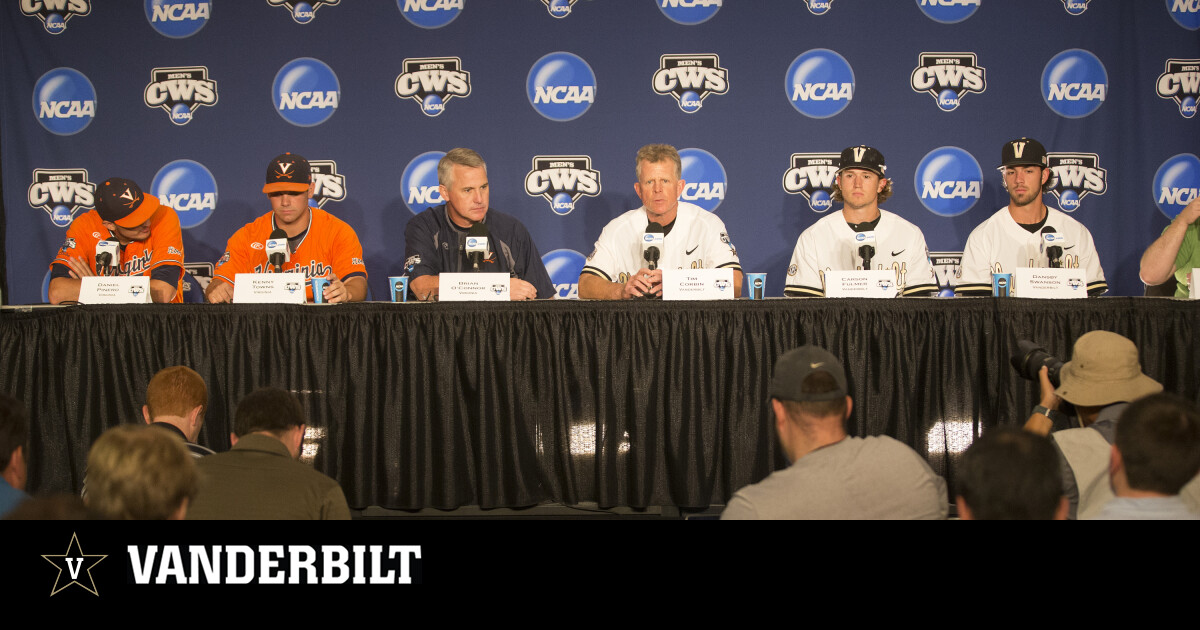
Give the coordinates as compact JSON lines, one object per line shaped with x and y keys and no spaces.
{"x":1001,"y":245}
{"x":697,"y":241}
{"x":829,"y":245}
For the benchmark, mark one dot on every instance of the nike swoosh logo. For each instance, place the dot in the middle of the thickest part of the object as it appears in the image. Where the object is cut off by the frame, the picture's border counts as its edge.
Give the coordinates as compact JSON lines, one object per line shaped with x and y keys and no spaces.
{"x":689,"y":252}
{"x":1066,"y":248}
{"x":894,"y":254}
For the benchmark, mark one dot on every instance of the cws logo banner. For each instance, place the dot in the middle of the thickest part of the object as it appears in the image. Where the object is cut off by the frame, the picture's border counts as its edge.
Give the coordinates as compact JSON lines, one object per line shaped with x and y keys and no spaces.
{"x":1074,"y":176}
{"x":61,"y":193}
{"x":819,"y":7}
{"x":819,"y":83}
{"x":306,"y":92}
{"x":559,"y":8}
{"x":64,"y":101}
{"x":189,"y":188}
{"x":705,"y":178}
{"x":813,"y":175}
{"x":948,"y":11}
{"x":1074,"y":83}
{"x":949,"y":181}
{"x":689,"y":12}
{"x":947,"y":77}
{"x":302,"y":12}
{"x":1176,"y":183}
{"x":561,"y":86}
{"x":432,"y":82}
{"x":690,"y":79}
{"x":180,"y":91}
{"x":430,"y":13}
{"x":328,"y":184}
{"x":1180,"y":81}
{"x":562,"y":180}
{"x":947,"y":268}
{"x":564,"y":267}
{"x":1075,"y":7}
{"x":55,"y":14}
{"x":178,"y":19}
{"x":1186,"y":13}
{"x":420,"y":182}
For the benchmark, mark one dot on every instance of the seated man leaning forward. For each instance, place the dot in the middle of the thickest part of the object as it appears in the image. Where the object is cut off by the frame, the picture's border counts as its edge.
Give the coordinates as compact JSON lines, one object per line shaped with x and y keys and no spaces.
{"x":320,"y":245}
{"x":435,"y":240}
{"x":693,"y":238}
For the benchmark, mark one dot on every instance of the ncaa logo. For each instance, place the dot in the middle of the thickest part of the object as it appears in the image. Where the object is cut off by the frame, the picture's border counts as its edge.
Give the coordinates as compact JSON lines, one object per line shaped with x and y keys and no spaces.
{"x":430,"y":13}
{"x":1186,"y":13}
{"x":302,"y":12}
{"x":813,"y":175}
{"x":306,"y":92}
{"x":178,"y":19}
{"x":187,"y":187}
{"x":180,"y":91}
{"x":1074,"y":83}
{"x":54,"y":14}
{"x":559,"y":8}
{"x":690,"y":79}
{"x":61,"y":193}
{"x":1176,"y":183}
{"x":819,"y":7}
{"x":562,"y":180}
{"x":420,"y":182}
{"x":561,"y":86}
{"x":564,"y":267}
{"x":948,"y":11}
{"x":64,"y":101}
{"x":1074,"y":176}
{"x":1181,"y":81}
{"x":705,"y":177}
{"x":947,"y":77}
{"x":819,"y":83}
{"x":1075,"y":7}
{"x":432,"y":82}
{"x":689,"y":12}
{"x":950,"y":181}
{"x":328,"y":185}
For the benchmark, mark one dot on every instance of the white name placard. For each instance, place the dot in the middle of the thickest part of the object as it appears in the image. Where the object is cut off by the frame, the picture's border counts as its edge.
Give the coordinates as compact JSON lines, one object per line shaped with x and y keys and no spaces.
{"x":1194,"y":284}
{"x":269,"y":288}
{"x":114,"y":290}
{"x":698,"y":284}
{"x":870,"y":283}
{"x":1049,"y":284}
{"x":473,"y":287}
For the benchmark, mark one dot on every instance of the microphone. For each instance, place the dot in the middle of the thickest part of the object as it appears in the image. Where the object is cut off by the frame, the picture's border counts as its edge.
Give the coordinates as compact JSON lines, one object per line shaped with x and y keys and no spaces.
{"x":1053,"y":252}
{"x":107,"y":254}
{"x":867,"y":249}
{"x":652,"y":244}
{"x":277,"y":250}
{"x":477,"y":244}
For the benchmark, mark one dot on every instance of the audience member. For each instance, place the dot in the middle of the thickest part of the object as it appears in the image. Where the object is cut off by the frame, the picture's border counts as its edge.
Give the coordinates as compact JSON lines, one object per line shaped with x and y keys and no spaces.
{"x":176,"y":400}
{"x":137,"y":473}
{"x":1010,"y":474}
{"x":14,"y":438}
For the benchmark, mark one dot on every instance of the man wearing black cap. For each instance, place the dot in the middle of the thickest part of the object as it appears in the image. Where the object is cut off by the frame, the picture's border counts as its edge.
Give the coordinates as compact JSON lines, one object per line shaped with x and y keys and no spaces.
{"x":148,"y":236}
{"x":320,"y":245}
{"x":833,"y":476}
{"x":1015,"y":235}
{"x":861,"y":232}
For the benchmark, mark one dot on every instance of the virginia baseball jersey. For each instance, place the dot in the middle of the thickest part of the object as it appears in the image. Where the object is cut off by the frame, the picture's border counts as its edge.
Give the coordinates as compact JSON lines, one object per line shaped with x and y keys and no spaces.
{"x":829,"y":245}
{"x":330,"y":246}
{"x":698,"y":240}
{"x":1001,"y":245}
{"x":160,"y":256}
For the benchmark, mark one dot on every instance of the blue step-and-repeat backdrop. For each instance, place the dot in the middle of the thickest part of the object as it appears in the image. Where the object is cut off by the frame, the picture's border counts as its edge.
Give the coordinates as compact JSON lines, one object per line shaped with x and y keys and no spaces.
{"x":192,"y":99}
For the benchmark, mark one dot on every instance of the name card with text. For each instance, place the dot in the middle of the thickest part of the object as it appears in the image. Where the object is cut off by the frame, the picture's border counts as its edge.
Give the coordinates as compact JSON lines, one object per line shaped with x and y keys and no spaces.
{"x":269,"y":288}
{"x":698,"y":284}
{"x":473,"y":287}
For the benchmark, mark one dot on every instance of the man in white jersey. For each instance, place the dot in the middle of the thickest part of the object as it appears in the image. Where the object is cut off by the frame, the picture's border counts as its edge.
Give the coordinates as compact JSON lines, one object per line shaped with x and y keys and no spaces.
{"x":1015,"y":235}
{"x":831,"y":244}
{"x":693,"y":237}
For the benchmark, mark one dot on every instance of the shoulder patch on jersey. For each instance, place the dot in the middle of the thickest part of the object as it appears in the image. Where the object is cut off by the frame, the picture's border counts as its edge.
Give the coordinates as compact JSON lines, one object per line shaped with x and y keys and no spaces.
{"x":224,"y":259}
{"x":725,"y":238}
{"x":792,"y":270}
{"x":592,"y":255}
{"x":412,"y":262}
{"x":174,"y":251}
{"x":356,"y":261}
{"x":68,"y":244}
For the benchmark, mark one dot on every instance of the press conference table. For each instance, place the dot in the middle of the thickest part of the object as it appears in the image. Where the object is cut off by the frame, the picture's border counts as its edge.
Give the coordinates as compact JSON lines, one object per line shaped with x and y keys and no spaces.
{"x":636,"y":404}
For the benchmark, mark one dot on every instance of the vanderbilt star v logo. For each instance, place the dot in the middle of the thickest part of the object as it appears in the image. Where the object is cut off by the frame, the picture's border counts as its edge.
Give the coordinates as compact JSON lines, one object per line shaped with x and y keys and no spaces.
{"x":75,"y":564}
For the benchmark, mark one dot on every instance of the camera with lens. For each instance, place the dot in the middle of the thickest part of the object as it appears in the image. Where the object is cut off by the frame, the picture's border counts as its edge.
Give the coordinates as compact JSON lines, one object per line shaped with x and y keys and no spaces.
{"x":1030,"y":358}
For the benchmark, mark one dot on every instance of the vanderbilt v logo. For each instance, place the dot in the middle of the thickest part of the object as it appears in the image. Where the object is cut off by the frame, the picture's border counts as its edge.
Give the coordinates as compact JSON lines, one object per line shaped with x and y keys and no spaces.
{"x":73,"y":561}
{"x":1018,"y":149}
{"x":858,"y":153}
{"x":73,"y":566}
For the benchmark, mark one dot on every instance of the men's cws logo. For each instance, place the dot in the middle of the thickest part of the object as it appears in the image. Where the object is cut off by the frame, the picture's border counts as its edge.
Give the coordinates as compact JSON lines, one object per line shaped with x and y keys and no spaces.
{"x":1074,"y":176}
{"x":1074,"y":83}
{"x":64,"y":101}
{"x":328,"y":184}
{"x":54,"y":14}
{"x":432,"y":82}
{"x":948,"y":11}
{"x":562,"y":180}
{"x":430,"y":13}
{"x":180,"y":91}
{"x":1075,"y":7}
{"x":1176,"y":183}
{"x":819,"y":7}
{"x":689,"y":12}
{"x":306,"y":92}
{"x":303,"y":12}
{"x":819,"y":83}
{"x":813,"y":175}
{"x":947,"y":77}
{"x":1186,"y":13}
{"x":705,"y":177}
{"x":564,"y":267}
{"x":178,"y":19}
{"x":420,"y":182}
{"x":561,"y":86}
{"x":189,"y":188}
{"x":949,"y":180}
{"x":1181,"y":81}
{"x":559,"y":8}
{"x":61,"y":193}
{"x":690,"y":79}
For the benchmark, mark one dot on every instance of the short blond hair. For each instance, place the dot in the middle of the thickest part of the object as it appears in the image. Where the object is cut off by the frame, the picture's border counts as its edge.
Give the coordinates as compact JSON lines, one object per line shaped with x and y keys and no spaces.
{"x":655,"y":153}
{"x":138,"y":472}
